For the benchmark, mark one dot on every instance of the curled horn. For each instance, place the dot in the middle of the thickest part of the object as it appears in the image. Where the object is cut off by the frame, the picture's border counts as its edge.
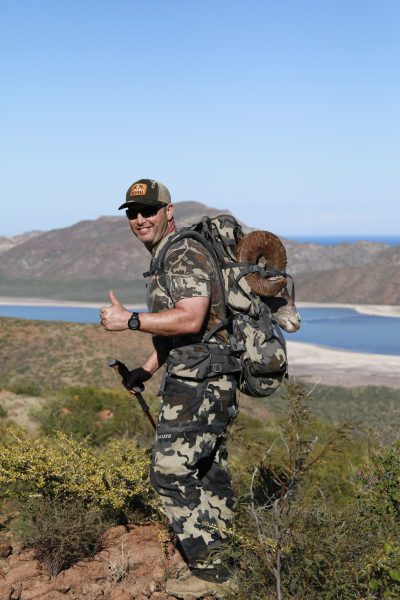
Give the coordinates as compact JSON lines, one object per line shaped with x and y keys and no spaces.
{"x":266,"y":250}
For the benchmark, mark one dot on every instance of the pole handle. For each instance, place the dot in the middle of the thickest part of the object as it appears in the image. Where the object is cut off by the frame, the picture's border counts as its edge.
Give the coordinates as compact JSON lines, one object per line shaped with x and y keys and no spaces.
{"x":135,"y":390}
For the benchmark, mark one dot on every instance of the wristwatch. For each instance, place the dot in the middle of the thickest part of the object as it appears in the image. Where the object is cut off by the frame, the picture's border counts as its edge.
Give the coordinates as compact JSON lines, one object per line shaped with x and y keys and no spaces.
{"x":134,"y":322}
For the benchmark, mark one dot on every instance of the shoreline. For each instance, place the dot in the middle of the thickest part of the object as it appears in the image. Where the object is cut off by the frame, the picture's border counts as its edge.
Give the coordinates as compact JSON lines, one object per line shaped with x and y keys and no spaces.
{"x":22,"y":301}
{"x":311,"y":362}
{"x":331,"y":366}
{"x":378,"y":310}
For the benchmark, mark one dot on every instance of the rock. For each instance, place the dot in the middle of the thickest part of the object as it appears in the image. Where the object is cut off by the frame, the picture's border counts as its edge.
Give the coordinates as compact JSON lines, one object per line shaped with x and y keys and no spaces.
{"x":23,"y":572}
{"x":136,"y":549}
{"x":105,"y":414}
{"x":153,"y":586}
{"x":5,"y":590}
{"x":5,"y":550}
{"x":112,"y":535}
{"x":16,"y":592}
{"x":158,"y":572}
{"x":36,"y":591}
{"x":54,"y":595}
{"x":120,"y":594}
{"x":93,"y":590}
{"x":62,"y":586}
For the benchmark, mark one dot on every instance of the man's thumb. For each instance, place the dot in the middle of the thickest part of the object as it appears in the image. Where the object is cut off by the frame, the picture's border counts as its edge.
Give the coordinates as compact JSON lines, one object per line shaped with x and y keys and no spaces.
{"x":113,"y":299}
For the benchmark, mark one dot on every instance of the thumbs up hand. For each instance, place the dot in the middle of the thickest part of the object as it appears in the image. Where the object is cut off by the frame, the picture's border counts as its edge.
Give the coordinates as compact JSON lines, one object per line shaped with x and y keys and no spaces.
{"x":116,"y":316}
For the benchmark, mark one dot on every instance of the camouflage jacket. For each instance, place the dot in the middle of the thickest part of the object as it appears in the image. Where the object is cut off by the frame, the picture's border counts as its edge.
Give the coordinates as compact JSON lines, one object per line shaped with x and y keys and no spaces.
{"x":188,"y":272}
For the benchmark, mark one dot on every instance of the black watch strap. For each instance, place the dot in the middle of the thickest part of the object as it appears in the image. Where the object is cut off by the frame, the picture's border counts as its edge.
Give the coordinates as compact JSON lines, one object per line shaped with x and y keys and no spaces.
{"x":134,"y":321}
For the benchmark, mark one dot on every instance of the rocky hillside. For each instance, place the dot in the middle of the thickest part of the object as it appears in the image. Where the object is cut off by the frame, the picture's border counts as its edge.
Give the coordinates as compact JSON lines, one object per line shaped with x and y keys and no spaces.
{"x":305,"y":258}
{"x":100,"y":249}
{"x":6,"y":243}
{"x":374,"y":282}
{"x":82,"y":261}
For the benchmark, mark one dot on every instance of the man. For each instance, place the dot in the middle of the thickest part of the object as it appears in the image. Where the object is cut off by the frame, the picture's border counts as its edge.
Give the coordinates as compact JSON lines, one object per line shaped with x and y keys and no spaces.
{"x":189,"y":469}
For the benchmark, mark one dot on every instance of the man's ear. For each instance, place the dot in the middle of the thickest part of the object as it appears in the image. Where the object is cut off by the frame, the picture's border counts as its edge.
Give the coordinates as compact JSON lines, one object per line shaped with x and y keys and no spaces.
{"x":170,"y":212}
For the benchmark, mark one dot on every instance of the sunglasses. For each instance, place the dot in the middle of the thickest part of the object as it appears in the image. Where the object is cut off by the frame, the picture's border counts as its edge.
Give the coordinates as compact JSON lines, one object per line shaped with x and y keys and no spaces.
{"x":146,"y":211}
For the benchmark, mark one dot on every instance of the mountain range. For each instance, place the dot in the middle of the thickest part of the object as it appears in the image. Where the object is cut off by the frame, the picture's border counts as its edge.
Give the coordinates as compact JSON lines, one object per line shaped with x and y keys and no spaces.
{"x":83,"y":261}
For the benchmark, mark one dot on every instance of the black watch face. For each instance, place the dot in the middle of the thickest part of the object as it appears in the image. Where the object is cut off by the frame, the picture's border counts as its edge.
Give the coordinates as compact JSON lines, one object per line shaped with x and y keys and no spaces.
{"x":133,"y":322}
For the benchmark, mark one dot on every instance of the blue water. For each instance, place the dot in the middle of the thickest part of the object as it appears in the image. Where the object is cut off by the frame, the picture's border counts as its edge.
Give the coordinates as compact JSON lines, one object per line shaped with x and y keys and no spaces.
{"x":335,"y":327}
{"x":347,"y":329}
{"x":70,"y":314}
{"x":331,"y":240}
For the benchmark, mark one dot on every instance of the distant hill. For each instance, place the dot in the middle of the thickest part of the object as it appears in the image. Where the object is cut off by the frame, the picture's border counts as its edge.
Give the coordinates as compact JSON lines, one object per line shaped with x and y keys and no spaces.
{"x":7,"y":242}
{"x":83,"y":261}
{"x":374,"y":282}
{"x":305,"y":258}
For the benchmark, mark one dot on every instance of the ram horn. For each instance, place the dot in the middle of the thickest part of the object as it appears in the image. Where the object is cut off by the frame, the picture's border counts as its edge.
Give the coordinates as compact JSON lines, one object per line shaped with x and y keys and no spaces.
{"x":266,"y":250}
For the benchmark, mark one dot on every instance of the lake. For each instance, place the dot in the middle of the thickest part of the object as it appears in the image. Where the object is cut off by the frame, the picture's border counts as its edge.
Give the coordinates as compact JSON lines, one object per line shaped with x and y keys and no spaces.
{"x":334,"y":327}
{"x":349,"y":330}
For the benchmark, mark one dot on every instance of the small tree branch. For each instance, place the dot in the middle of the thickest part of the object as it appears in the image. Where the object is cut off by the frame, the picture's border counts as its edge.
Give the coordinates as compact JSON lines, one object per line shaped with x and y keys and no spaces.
{"x":252,"y":503}
{"x":313,"y":388}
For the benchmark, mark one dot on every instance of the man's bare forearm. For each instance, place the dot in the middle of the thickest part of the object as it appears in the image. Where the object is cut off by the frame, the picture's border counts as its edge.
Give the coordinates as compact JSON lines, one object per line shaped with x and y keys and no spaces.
{"x":185,"y":318}
{"x":175,"y":321}
{"x":153,"y":363}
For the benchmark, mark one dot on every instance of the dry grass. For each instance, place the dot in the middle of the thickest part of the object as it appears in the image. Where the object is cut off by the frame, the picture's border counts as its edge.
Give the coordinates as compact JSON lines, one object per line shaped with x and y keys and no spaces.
{"x":52,"y":355}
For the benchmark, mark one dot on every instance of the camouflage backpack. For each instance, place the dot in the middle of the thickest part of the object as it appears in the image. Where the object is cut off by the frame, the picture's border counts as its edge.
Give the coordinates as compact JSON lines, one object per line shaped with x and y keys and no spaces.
{"x":253,"y":335}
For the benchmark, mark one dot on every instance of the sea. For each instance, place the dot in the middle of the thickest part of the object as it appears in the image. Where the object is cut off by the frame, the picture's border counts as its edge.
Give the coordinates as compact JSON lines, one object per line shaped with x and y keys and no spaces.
{"x":342,"y":328}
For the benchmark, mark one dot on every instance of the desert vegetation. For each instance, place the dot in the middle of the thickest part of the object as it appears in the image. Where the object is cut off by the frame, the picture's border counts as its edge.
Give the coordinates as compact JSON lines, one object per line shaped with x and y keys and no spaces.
{"x":316,"y":473}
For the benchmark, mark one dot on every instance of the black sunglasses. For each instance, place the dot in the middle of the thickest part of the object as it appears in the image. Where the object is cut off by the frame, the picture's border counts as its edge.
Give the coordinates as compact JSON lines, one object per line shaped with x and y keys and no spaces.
{"x":146,"y":211}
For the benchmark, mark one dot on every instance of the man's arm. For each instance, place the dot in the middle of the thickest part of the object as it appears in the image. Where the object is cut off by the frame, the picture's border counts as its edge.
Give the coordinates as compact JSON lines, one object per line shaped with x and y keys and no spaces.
{"x":187,"y":317}
{"x":145,"y":372}
{"x":153,"y":363}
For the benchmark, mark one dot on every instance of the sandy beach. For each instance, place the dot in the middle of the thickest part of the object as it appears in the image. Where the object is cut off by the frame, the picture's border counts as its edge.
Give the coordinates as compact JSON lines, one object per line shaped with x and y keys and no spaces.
{"x":15,"y":301}
{"x":378,"y":310}
{"x":340,"y":367}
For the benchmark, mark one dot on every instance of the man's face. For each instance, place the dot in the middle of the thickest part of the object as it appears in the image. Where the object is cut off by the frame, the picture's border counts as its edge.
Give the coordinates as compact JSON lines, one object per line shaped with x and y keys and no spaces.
{"x":151,"y":226}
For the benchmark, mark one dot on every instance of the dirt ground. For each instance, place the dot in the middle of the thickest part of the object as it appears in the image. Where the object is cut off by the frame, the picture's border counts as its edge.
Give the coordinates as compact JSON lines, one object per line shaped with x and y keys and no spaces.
{"x":134,"y":564}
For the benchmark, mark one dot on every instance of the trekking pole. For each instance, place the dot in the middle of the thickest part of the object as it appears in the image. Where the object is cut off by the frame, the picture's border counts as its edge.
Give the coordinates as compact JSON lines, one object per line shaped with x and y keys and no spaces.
{"x":135,"y":390}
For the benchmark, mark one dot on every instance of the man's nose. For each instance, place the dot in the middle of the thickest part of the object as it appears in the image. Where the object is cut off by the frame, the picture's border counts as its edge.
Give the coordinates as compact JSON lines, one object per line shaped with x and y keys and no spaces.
{"x":140,"y":219}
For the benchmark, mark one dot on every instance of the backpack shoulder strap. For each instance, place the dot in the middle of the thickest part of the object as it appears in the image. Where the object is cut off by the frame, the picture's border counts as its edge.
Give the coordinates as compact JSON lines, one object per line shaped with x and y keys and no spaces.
{"x":157,"y":264}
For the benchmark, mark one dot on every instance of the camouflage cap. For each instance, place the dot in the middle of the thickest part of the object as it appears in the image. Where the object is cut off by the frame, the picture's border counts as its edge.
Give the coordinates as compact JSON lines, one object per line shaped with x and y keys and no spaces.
{"x":146,"y":192}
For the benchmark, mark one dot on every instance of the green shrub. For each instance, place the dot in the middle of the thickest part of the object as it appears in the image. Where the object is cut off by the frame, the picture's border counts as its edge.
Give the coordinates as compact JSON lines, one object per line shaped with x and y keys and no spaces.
{"x":69,"y":492}
{"x":380,"y":498}
{"x":329,"y":550}
{"x":78,"y":412}
{"x":294,"y":537}
{"x":114,"y":478}
{"x":9,"y":431}
{"x":27,"y":389}
{"x":381,"y":479}
{"x":3,"y":412}
{"x":60,"y":532}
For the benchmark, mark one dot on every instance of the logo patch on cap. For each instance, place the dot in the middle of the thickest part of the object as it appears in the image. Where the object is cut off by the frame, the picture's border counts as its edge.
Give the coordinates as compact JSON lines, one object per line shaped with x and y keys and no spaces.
{"x":139,"y":189}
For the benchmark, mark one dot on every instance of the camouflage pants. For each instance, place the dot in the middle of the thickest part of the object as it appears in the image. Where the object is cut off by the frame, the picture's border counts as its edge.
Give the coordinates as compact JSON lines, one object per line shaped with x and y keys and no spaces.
{"x":189,"y":464}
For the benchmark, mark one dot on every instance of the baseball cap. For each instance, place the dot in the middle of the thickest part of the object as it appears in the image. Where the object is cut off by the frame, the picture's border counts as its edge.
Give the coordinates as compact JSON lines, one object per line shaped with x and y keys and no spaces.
{"x":146,"y":192}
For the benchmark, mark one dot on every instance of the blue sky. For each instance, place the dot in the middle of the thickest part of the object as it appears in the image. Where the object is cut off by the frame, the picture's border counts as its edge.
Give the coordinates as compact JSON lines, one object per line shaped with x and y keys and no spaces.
{"x":286,"y":113}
